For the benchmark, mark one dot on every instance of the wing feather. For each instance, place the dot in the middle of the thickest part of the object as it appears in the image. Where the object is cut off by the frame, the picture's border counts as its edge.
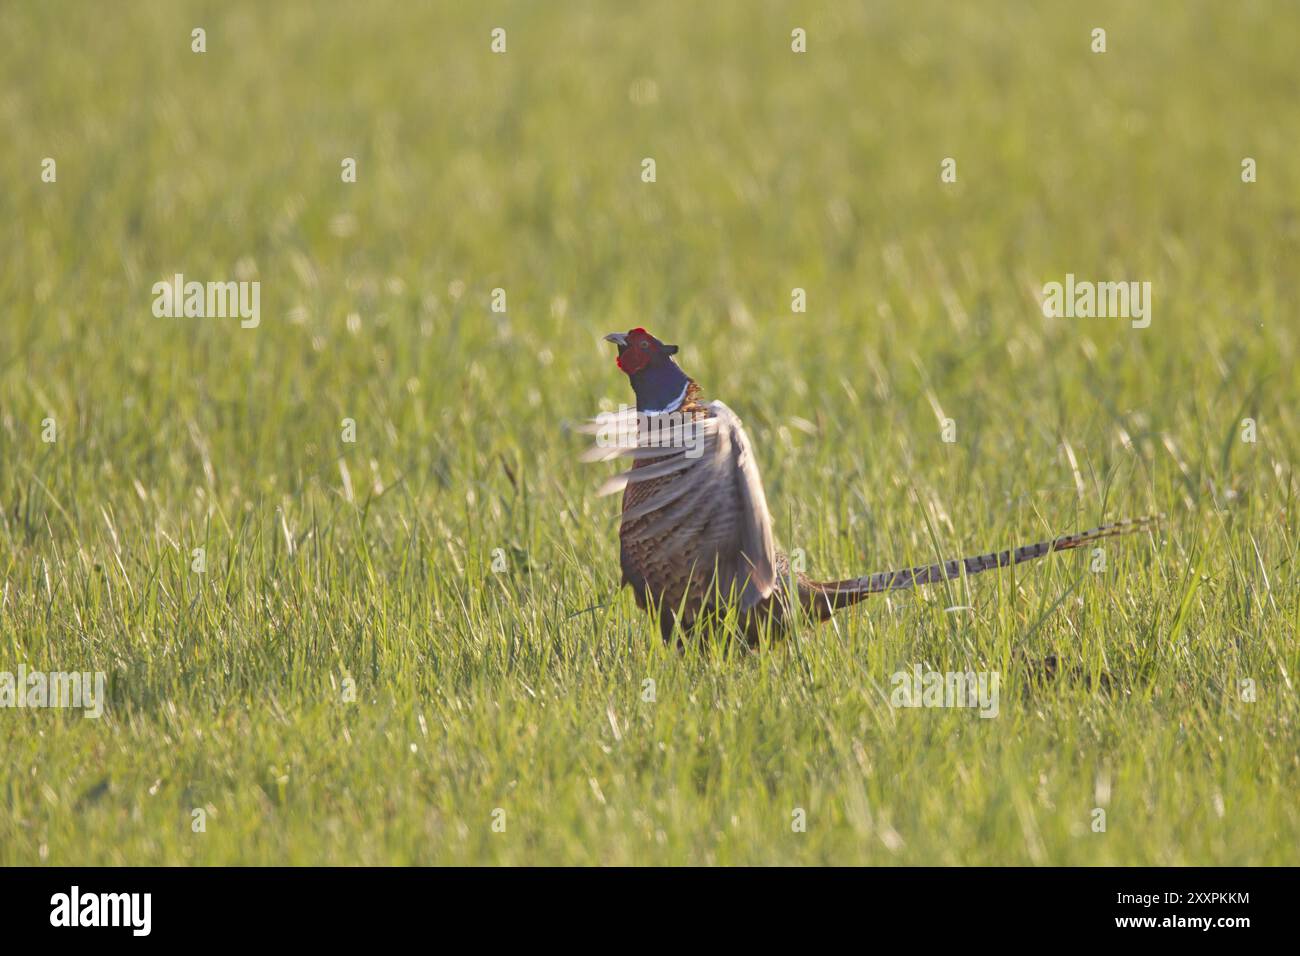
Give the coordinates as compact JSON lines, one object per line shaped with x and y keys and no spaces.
{"x":694,"y":511}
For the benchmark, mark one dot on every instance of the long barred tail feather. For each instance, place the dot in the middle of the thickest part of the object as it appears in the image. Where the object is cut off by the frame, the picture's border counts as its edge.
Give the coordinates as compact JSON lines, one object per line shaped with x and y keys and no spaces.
{"x":850,"y":591}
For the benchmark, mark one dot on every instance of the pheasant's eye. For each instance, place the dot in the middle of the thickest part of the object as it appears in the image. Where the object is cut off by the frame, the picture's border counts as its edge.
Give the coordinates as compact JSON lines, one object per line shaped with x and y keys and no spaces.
{"x":644,"y":344}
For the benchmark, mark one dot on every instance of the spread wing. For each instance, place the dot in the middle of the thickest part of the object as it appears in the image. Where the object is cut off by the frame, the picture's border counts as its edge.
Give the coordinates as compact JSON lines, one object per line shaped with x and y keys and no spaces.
{"x":694,"y":499}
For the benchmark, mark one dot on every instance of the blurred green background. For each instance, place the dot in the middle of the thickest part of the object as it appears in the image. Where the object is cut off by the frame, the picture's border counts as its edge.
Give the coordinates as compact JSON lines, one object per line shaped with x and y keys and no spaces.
{"x":371,"y":562}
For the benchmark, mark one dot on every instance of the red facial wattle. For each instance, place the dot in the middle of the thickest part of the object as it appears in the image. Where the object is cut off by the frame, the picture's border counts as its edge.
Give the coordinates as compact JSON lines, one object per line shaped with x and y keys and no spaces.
{"x":641,"y":348}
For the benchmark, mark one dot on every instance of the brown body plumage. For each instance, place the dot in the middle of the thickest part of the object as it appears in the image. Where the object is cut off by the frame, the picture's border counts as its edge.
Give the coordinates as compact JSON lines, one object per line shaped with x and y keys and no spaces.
{"x":696,"y":535}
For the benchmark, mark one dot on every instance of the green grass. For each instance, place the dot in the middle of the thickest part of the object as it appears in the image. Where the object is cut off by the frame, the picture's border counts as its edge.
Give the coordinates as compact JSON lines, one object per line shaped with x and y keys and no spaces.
{"x":522,"y":690}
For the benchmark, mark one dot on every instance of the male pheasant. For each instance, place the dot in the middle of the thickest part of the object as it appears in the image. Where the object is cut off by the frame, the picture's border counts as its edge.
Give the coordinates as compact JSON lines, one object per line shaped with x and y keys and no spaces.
{"x":696,"y":535}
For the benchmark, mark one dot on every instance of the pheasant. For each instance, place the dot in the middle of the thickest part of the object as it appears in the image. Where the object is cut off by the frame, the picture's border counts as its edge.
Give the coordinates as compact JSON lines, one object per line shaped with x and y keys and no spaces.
{"x":696,"y":535}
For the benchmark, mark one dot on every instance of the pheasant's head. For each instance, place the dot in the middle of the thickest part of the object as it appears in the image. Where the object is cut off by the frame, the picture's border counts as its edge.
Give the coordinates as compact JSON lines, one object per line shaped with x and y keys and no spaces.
{"x":638,"y":350}
{"x":659,"y":384}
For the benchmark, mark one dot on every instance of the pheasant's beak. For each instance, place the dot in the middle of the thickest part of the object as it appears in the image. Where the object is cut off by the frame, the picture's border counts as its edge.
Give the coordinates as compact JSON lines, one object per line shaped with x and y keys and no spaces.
{"x":618,"y":338}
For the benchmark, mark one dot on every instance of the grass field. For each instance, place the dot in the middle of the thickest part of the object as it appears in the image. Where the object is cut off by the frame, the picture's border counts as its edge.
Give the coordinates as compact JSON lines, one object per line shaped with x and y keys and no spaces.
{"x":350,"y":681}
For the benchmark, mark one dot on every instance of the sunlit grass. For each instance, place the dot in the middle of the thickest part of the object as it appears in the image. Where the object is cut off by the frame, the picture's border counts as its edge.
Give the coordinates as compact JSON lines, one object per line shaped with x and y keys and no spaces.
{"x":333,"y":567}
